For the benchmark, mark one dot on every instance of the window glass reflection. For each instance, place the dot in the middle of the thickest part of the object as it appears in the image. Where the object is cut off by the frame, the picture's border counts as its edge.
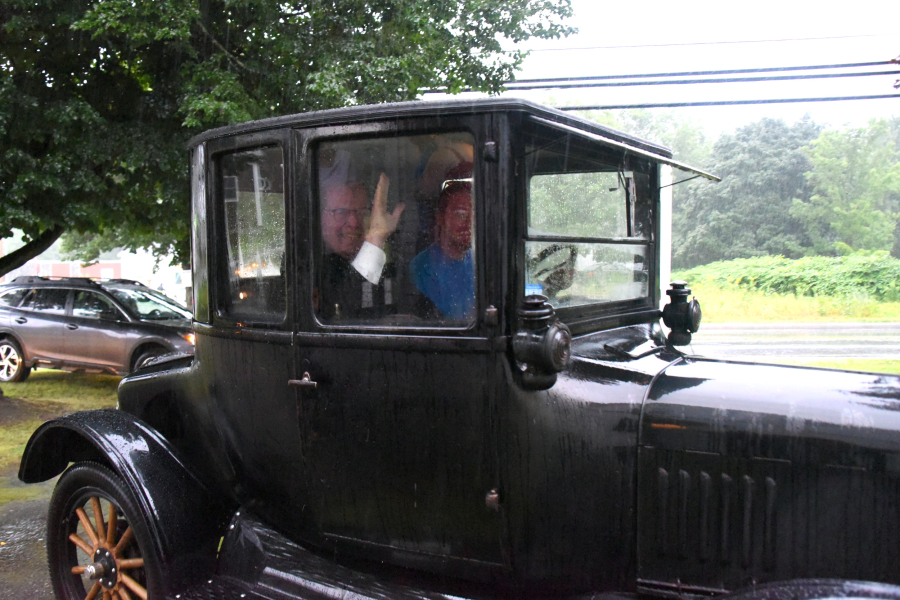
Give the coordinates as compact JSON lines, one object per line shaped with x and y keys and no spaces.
{"x":396,"y":223}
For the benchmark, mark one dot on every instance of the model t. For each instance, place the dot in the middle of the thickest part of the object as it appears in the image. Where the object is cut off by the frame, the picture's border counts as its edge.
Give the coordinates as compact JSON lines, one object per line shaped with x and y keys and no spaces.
{"x":429,"y":363}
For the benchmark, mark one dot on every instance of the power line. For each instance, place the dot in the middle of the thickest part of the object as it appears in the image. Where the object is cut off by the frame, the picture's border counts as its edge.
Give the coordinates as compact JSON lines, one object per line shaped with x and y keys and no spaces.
{"x":696,"y":81}
{"x":724,"y":102}
{"x":722,"y":43}
{"x":698,"y":73}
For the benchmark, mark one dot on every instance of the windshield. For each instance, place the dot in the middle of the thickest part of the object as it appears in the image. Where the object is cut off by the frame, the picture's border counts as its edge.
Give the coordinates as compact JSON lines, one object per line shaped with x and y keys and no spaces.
{"x":150,"y":305}
{"x":589,"y":221}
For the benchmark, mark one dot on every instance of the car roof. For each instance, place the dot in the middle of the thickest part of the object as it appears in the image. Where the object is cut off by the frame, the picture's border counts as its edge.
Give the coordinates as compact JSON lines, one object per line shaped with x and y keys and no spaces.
{"x":372,"y":112}
{"x":70,"y":282}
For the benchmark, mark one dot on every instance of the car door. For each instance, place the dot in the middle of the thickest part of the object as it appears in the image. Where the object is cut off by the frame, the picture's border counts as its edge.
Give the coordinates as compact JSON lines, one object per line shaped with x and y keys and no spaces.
{"x":248,"y":344}
{"x":98,"y":332}
{"x":393,"y":384}
{"x":40,"y":323}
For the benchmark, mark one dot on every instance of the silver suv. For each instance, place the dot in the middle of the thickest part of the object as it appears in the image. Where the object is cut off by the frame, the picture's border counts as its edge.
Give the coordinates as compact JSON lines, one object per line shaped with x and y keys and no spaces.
{"x":112,"y":326}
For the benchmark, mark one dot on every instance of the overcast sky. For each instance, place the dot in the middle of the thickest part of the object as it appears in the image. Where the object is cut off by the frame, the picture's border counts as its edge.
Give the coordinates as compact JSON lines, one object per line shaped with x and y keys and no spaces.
{"x":653,"y":36}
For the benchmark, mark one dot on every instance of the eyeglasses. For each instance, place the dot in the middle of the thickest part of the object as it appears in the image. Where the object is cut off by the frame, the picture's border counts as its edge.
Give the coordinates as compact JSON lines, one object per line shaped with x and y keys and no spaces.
{"x":340,"y":215}
{"x":454,"y":182}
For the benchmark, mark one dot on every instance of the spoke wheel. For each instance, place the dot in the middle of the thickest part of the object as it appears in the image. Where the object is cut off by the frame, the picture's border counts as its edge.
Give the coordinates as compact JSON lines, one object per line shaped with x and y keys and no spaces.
{"x":12,"y":364}
{"x":97,"y":544}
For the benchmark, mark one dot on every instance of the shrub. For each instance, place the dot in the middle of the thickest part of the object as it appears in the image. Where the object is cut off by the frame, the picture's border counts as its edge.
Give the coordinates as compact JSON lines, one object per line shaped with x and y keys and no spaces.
{"x":874,"y":276}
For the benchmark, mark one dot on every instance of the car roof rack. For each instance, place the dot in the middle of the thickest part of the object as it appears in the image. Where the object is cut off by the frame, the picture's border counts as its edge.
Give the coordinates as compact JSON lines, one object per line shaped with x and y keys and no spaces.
{"x":74,"y":280}
{"x":127,"y":281}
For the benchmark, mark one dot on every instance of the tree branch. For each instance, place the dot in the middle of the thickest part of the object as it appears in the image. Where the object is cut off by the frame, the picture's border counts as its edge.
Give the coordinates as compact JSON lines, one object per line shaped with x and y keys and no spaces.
{"x":225,"y":51}
{"x":16,"y":259}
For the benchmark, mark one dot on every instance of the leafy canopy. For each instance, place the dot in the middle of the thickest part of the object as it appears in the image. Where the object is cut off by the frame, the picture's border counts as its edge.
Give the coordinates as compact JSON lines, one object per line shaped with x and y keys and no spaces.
{"x":856,"y":179}
{"x":97,"y":98}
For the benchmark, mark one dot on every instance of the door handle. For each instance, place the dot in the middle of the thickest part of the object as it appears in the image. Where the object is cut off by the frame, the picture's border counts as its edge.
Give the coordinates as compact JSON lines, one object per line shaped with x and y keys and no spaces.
{"x":305,"y":382}
{"x":21,"y":320}
{"x":71,"y":326}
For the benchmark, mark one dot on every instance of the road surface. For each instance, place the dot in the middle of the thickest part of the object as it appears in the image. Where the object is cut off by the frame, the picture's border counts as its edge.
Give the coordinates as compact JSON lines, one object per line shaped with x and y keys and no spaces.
{"x":802,"y":342}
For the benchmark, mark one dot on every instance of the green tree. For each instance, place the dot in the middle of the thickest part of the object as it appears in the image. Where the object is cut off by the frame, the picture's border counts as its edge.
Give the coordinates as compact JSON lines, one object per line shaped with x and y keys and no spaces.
{"x":856,"y":179}
{"x":97,"y":98}
{"x":763,"y":169}
{"x":684,"y":137}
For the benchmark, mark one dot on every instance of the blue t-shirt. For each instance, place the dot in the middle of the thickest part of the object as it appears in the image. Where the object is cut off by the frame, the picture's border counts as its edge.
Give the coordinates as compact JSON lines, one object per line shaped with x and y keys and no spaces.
{"x":450,"y":284}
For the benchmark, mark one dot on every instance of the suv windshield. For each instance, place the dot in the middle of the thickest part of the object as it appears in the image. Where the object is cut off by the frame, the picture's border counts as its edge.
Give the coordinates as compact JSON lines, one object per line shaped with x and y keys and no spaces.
{"x":588,"y":239}
{"x":149,"y":305}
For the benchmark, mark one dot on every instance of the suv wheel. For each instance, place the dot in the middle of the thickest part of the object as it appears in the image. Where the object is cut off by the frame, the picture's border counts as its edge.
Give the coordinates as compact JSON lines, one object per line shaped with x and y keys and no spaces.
{"x":148,"y":355}
{"x":12,"y":363}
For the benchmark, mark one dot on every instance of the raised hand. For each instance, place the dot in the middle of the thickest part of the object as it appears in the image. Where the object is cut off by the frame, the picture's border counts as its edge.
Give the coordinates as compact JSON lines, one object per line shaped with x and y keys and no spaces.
{"x":382,"y":223}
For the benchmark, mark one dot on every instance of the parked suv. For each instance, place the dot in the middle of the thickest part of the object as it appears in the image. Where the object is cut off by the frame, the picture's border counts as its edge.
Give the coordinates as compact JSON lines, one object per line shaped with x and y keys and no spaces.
{"x":76,"y":323}
{"x":431,"y":364}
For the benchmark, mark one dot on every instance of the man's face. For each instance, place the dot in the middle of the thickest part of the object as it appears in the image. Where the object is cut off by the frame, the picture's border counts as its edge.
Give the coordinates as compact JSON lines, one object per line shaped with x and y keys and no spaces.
{"x":456,"y":224}
{"x":343,"y":220}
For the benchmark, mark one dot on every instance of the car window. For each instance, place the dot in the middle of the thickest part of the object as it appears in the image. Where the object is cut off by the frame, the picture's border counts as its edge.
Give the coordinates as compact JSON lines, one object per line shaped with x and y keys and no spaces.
{"x":588,"y":238}
{"x":252,"y":199}
{"x":92,"y":305}
{"x":12,"y":297}
{"x":396,"y":231}
{"x":149,"y":305}
{"x":47,"y":300}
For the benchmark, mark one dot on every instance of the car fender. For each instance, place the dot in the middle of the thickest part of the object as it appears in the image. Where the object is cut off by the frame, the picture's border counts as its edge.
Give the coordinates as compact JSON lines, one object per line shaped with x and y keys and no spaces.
{"x":815,"y":589}
{"x":6,"y":332}
{"x":185,"y":519}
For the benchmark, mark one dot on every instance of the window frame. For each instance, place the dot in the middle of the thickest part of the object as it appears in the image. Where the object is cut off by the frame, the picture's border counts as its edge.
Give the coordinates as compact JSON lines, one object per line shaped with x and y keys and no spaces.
{"x":308,"y":140}
{"x":594,"y":316}
{"x":216,"y":246}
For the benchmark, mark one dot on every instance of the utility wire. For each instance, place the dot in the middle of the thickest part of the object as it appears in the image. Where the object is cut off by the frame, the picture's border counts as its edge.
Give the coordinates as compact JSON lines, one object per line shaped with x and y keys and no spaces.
{"x":722,"y":43}
{"x":698,"y":73}
{"x":694,"y":81}
{"x":724,"y":102}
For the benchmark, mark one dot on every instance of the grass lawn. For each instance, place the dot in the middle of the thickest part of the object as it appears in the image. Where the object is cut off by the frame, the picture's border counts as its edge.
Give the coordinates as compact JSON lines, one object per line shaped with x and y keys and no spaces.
{"x":740,"y":305}
{"x":24,"y":406}
{"x":850,"y":364}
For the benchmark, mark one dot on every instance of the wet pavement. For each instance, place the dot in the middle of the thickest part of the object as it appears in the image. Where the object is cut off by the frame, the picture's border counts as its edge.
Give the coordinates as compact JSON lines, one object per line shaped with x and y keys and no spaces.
{"x":801,"y":342}
{"x":23,"y":559}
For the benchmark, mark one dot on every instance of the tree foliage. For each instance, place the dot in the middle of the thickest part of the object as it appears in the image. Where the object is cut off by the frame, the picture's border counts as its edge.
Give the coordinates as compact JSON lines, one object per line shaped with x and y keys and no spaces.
{"x":763,"y":169}
{"x":855,"y":174}
{"x":97,"y":98}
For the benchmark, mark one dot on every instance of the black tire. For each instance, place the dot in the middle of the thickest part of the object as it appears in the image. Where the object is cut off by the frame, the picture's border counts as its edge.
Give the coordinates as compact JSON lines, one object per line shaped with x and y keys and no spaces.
{"x":86,"y":486}
{"x":148,"y":355}
{"x":12,"y":362}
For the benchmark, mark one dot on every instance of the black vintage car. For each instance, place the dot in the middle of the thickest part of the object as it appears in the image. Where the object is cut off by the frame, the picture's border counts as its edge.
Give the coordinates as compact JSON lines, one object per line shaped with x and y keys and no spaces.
{"x":430,"y":363}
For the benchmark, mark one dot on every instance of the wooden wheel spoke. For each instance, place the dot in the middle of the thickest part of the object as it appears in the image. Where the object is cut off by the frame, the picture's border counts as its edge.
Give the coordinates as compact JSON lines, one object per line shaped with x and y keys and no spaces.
{"x":76,"y":539}
{"x":88,"y":527}
{"x":98,"y":516}
{"x":78,"y":570}
{"x":123,"y":542}
{"x":94,"y":591}
{"x":129,"y":563}
{"x":123,"y":593}
{"x":111,"y":526}
{"x":107,"y":595}
{"x":133,"y":585}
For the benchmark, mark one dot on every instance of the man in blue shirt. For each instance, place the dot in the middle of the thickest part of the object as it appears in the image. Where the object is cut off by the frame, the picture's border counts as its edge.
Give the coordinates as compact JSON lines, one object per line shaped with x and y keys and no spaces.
{"x":445,"y":271}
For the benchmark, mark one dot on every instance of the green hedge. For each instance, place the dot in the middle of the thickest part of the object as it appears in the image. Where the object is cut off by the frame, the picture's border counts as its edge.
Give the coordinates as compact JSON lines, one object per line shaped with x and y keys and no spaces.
{"x":876,"y":276}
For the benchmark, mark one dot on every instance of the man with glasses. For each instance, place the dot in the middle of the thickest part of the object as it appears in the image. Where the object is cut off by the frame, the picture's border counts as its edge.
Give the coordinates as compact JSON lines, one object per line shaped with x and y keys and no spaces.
{"x":354,"y":235}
